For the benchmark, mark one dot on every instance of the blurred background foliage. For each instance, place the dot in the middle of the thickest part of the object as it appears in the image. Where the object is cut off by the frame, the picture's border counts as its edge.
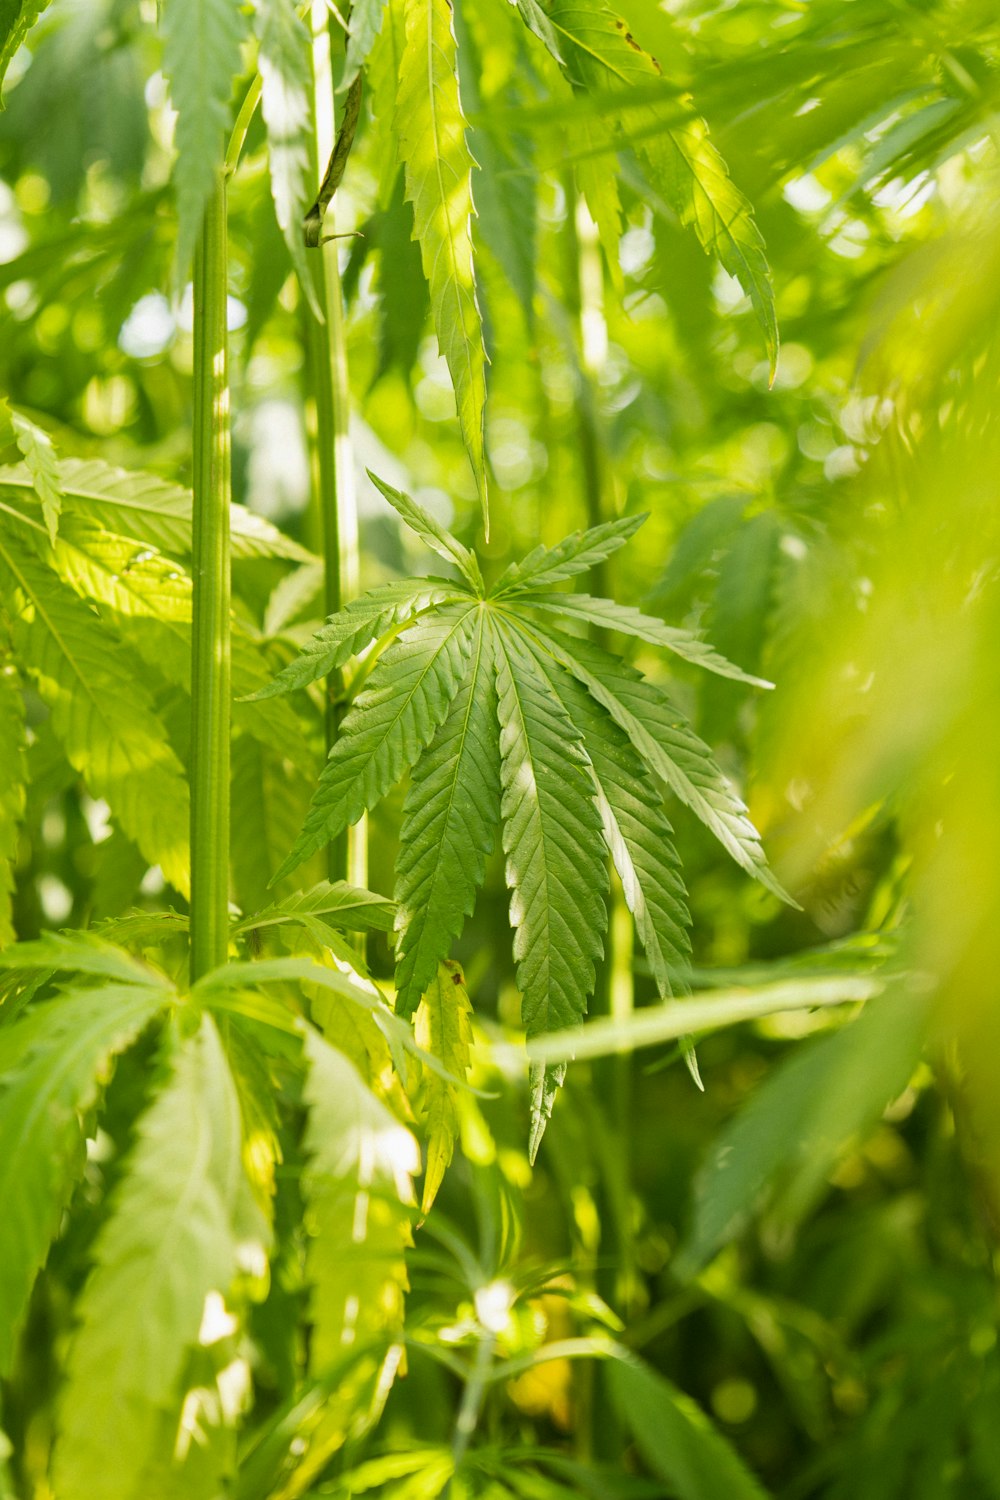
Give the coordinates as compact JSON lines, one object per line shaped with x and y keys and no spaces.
{"x":808,"y":1249}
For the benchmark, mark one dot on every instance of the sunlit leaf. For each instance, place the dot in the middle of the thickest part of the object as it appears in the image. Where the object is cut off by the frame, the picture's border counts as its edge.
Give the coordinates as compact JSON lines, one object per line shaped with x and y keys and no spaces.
{"x":430,"y":128}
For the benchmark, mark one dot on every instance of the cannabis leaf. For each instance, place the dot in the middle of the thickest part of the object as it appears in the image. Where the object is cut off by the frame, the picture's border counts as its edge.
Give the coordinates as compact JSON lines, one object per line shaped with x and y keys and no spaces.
{"x":183,"y":1224}
{"x":53,"y":1061}
{"x":151,"y":511}
{"x":430,"y":128}
{"x":101,"y":712}
{"x":598,"y":53}
{"x":284,"y":60}
{"x":506,"y":720}
{"x":201,"y":59}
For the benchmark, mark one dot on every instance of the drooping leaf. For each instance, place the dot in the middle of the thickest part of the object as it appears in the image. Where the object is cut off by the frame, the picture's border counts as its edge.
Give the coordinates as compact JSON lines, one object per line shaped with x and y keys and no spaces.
{"x":671,"y":750}
{"x":53,"y":1063}
{"x":201,"y":60}
{"x":285,"y":62}
{"x":600,"y":54}
{"x":443,"y":1026}
{"x":16,"y":19}
{"x":148,"y":509}
{"x":359,"y":1194}
{"x":12,"y":793}
{"x":554,"y":858}
{"x":675,"y":1437}
{"x":183,"y":1223}
{"x":408,"y":695}
{"x":432,"y":532}
{"x":449,"y":822}
{"x":574,"y":554}
{"x":430,"y":127}
{"x":610,"y":615}
{"x":101,"y":713}
{"x":363,"y":620}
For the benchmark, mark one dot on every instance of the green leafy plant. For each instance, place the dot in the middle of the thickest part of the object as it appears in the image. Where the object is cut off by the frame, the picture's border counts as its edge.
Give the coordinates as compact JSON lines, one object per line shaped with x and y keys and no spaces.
{"x":506,"y":720}
{"x":516,"y":252}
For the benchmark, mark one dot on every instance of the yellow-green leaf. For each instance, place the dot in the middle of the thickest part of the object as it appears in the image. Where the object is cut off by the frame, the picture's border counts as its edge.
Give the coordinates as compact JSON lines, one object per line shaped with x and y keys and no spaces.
{"x":431,"y":131}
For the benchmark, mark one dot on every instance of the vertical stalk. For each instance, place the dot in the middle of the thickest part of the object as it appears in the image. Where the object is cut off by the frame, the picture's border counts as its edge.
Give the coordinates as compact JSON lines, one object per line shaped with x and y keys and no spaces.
{"x":334,"y":460}
{"x":210,"y":653}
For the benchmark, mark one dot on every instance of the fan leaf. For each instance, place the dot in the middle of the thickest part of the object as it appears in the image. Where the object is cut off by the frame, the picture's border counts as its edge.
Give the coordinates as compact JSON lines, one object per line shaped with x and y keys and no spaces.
{"x":600,"y":54}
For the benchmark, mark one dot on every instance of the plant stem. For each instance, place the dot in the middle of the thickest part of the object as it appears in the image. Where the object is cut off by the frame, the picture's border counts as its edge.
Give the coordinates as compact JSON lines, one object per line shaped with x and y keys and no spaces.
{"x":210,"y":653}
{"x":327,"y":359}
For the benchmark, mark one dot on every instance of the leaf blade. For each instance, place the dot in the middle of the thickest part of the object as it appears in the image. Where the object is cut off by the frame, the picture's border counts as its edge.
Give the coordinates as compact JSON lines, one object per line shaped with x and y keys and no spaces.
{"x":448,"y":828}
{"x":430,"y":128}
{"x":201,"y":60}
{"x":671,"y":749}
{"x":362,"y":621}
{"x":284,"y":59}
{"x":555,"y":866}
{"x":184,"y":1221}
{"x":51,"y":1061}
{"x":101,"y":713}
{"x":607,"y":614}
{"x":389,"y":723}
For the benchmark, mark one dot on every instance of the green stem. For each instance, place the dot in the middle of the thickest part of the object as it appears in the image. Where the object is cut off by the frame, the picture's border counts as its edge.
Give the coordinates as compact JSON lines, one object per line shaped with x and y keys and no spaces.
{"x":327,"y":359}
{"x":210,"y":671}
